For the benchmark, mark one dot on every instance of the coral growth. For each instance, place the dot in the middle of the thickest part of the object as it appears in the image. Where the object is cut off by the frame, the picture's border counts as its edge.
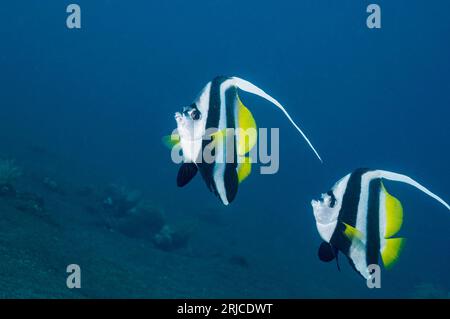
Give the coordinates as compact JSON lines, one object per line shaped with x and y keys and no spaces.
{"x":120,"y":200}
{"x":23,"y":201}
{"x":128,"y":212}
{"x":9,"y":172}
{"x":51,"y":185}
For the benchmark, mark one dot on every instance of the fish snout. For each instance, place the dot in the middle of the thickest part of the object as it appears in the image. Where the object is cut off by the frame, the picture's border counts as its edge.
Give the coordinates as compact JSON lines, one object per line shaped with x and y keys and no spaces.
{"x":178,"y":117}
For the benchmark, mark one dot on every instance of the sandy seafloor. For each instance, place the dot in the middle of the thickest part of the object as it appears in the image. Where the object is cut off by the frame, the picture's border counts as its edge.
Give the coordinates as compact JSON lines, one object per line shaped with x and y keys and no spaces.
{"x":222,"y":258}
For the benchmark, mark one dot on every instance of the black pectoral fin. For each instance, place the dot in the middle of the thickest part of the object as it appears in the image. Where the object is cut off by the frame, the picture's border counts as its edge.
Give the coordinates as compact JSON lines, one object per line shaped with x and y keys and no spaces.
{"x":326,"y":252}
{"x":231,"y":181}
{"x":186,"y":173}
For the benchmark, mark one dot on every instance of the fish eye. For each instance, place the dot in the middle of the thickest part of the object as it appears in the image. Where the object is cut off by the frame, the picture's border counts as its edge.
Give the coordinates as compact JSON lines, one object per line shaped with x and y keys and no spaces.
{"x":195,"y":114}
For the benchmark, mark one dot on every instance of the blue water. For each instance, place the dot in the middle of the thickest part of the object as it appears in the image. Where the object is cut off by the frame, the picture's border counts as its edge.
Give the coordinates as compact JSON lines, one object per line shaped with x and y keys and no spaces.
{"x":89,"y":107}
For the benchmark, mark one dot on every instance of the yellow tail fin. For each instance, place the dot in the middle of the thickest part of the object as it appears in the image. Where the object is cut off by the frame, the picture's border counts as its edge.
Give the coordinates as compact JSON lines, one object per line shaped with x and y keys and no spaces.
{"x":391,"y":251}
{"x":244,"y":168}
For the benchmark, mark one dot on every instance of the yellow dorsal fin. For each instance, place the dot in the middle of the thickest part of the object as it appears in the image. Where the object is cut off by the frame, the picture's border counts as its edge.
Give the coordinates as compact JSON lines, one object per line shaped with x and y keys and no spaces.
{"x":171,"y":140}
{"x":244,"y":169}
{"x":391,"y":251}
{"x":247,"y":132}
{"x":393,"y":212}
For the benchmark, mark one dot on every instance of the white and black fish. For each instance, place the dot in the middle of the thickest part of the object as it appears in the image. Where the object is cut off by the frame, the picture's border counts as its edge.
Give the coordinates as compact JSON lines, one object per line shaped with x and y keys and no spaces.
{"x":359,"y":218}
{"x":217,"y":109}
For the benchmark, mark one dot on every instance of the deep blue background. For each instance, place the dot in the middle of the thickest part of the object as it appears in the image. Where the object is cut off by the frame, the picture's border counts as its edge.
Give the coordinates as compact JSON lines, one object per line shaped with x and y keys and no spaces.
{"x":104,"y":95}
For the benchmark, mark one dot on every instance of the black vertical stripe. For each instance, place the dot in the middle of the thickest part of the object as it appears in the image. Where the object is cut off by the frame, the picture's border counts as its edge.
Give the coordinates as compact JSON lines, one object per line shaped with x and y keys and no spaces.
{"x":214,"y":102}
{"x":349,"y":210}
{"x":373,"y":222}
{"x":350,"y":201}
{"x":230,"y":174}
{"x":230,"y":105}
{"x":207,"y":169}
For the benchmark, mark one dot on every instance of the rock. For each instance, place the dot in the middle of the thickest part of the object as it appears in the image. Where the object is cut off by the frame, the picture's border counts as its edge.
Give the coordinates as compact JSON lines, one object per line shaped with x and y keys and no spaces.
{"x":143,"y":221}
{"x":51,"y":185}
{"x":29,"y":202}
{"x":7,"y":190}
{"x":119,"y":200}
{"x":168,"y":239}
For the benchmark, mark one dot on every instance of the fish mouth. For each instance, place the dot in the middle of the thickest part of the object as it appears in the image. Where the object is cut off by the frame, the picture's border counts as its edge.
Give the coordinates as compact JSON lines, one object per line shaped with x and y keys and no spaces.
{"x":316,"y":207}
{"x":319,"y":202}
{"x":178,"y":117}
{"x":315,"y":203}
{"x":321,"y":213}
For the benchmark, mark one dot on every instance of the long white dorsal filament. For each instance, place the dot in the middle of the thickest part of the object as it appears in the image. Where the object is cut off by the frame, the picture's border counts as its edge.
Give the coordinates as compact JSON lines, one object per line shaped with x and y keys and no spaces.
{"x":405,"y":179}
{"x":251,"y":88}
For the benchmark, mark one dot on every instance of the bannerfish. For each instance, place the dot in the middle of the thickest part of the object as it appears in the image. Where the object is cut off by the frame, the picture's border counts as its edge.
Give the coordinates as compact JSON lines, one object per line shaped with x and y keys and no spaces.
{"x":359,"y":218}
{"x":205,"y":124}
